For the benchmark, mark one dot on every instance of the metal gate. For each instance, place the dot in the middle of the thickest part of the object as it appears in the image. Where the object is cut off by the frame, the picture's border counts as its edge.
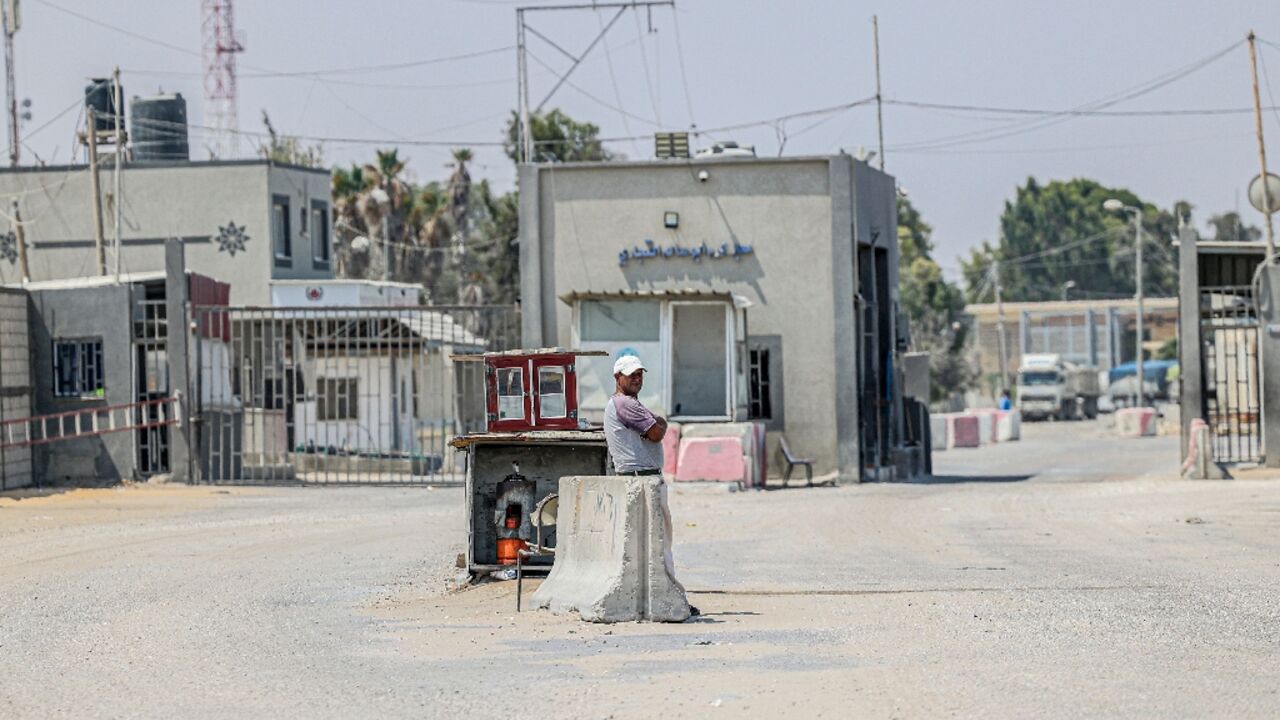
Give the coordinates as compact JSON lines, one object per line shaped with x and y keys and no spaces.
{"x":352,"y":395}
{"x":1231,"y":382}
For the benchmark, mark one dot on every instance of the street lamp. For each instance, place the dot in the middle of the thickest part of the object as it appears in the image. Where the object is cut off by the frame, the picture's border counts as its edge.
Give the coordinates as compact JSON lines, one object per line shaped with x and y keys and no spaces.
{"x":1066,"y":288}
{"x":1114,"y":205}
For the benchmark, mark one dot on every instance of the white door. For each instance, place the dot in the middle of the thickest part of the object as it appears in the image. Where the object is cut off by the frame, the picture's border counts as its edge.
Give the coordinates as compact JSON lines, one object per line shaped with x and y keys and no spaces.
{"x":699,"y":360}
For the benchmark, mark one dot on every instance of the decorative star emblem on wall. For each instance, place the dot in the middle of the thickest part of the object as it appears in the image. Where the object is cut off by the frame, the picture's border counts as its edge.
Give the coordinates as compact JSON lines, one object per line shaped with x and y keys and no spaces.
{"x":231,"y":238}
{"x":9,"y":247}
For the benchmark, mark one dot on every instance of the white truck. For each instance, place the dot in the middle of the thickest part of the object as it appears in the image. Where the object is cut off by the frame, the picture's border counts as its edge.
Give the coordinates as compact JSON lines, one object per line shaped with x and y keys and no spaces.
{"x":1050,"y":387}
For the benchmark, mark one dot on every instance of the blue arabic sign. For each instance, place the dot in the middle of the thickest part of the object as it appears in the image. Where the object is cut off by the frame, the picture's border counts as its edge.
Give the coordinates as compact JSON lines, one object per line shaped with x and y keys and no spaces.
{"x":697,"y":252}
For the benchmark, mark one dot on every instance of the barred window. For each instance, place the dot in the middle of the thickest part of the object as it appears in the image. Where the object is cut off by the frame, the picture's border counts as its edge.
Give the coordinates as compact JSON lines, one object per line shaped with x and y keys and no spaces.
{"x":336,"y":398}
{"x":77,"y":368}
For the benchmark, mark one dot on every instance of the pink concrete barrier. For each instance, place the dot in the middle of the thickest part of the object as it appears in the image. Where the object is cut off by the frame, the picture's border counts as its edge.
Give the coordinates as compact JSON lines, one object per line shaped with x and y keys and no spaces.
{"x":711,"y":460}
{"x":670,"y":449}
{"x":963,"y":430}
{"x":987,"y":417}
{"x":1136,"y":422}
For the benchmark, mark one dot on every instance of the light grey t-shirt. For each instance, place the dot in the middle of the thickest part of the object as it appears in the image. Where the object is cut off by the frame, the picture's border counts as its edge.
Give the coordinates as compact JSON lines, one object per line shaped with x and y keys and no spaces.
{"x":625,"y":420}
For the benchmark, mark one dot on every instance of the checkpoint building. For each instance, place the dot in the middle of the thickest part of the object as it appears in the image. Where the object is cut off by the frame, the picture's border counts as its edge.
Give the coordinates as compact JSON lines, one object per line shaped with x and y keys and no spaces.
{"x":753,"y":289}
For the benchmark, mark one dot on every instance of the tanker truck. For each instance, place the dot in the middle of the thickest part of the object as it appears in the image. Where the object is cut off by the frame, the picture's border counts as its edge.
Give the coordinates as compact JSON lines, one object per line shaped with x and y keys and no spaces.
{"x":1050,"y":387}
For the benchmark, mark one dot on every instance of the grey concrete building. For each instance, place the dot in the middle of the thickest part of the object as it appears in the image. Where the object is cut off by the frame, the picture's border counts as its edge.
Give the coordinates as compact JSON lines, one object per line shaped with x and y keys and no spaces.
{"x":246,"y":222}
{"x":763,"y":289}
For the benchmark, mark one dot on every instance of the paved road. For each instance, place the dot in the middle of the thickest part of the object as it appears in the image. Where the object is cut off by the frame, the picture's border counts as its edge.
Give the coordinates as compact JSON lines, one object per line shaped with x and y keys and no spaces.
{"x":1070,"y":574}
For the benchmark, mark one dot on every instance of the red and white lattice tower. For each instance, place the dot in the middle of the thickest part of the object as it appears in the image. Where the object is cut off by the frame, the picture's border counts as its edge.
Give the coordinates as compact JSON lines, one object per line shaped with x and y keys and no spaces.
{"x":220,"y":47}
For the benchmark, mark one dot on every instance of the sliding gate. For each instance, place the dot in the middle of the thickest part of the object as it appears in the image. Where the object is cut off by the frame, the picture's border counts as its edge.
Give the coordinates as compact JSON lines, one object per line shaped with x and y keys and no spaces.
{"x":338,"y":395}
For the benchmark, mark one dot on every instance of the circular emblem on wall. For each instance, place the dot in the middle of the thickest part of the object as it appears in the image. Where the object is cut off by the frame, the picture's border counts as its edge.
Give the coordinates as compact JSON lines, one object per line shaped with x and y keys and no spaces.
{"x":315,"y":293}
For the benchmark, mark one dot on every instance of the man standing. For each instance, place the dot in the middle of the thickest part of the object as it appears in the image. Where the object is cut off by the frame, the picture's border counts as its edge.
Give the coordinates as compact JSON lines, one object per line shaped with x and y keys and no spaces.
{"x":633,"y":432}
{"x":635,"y":437}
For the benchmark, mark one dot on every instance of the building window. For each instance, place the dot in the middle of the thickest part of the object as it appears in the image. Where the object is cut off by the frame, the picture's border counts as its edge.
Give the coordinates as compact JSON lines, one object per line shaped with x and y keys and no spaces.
{"x":77,"y":368}
{"x":551,"y":392}
{"x":510,"y":393}
{"x":764,"y":381}
{"x":281,"y":240}
{"x":760,"y":406}
{"x":336,"y":398}
{"x":620,"y":321}
{"x":320,"y":234}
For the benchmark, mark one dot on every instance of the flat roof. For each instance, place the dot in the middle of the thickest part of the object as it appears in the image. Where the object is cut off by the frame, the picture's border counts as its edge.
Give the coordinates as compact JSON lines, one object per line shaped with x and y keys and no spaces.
{"x":348,"y":281}
{"x":681,"y":293}
{"x":697,"y":162}
{"x":91,"y":281}
{"x":1067,"y":306}
{"x":161,"y":164}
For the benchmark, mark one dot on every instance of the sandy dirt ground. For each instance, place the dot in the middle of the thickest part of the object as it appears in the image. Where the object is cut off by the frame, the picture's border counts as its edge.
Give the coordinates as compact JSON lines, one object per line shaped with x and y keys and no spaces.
{"x":1070,"y":574}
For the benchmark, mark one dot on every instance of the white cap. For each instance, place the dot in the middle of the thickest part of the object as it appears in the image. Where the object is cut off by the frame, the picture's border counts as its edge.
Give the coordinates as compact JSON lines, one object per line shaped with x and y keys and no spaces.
{"x":628,"y":364}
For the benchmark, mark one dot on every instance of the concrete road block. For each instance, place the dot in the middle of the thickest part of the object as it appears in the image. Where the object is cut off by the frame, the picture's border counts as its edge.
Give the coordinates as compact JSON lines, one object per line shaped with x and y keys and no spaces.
{"x":986,"y":423}
{"x":963,"y":430}
{"x":938,"y":432}
{"x":1008,"y":425}
{"x":752,"y":436}
{"x":720,"y":459}
{"x":613,"y":560}
{"x":670,"y":449}
{"x":1136,"y":422}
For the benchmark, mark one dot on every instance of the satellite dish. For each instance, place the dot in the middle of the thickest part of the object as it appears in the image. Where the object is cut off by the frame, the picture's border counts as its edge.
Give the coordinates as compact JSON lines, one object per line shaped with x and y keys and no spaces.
{"x":1255,"y":193}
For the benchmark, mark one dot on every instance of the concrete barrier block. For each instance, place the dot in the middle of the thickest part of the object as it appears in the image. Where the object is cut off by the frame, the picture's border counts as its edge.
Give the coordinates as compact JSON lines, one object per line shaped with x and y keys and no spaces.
{"x":986,"y":423}
{"x":938,"y":432}
{"x":1008,"y":425}
{"x":963,"y":430}
{"x":670,"y":449}
{"x":1136,"y":422}
{"x":752,"y":436}
{"x":711,"y":460}
{"x":613,"y":558}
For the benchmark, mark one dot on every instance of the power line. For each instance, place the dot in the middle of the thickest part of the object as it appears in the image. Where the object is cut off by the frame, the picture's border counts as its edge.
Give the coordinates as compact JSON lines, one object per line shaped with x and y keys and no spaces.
{"x":123,"y":31}
{"x":684,"y":78}
{"x":1130,"y":93}
{"x":1074,"y":113}
{"x":644,"y":61}
{"x":588,"y":95}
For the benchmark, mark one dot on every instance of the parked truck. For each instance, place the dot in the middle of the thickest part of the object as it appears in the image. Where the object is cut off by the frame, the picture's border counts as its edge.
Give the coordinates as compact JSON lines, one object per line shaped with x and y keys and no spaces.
{"x":1050,"y":387}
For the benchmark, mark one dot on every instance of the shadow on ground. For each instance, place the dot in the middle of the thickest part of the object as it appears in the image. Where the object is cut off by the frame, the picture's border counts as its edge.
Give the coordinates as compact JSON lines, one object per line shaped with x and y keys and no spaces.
{"x":957,"y":479}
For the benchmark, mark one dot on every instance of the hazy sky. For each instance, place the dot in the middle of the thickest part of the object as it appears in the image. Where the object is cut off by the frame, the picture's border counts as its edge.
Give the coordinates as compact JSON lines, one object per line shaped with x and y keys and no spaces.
{"x":744,"y":61}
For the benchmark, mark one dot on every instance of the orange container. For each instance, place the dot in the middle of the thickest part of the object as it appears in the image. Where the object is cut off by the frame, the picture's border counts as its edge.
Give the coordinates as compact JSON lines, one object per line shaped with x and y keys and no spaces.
{"x":507,"y":549}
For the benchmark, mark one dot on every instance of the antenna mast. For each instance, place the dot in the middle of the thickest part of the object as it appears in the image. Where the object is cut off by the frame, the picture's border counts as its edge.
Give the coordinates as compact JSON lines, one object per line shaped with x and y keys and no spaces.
{"x":220,"y":48}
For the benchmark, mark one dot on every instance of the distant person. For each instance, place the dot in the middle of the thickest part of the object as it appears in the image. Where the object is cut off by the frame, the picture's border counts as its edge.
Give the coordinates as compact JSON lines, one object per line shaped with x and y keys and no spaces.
{"x":1006,"y":403}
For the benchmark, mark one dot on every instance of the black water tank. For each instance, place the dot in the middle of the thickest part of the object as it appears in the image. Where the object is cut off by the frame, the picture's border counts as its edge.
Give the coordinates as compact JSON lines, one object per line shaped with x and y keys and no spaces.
{"x":100,"y":95}
{"x":159,"y":128}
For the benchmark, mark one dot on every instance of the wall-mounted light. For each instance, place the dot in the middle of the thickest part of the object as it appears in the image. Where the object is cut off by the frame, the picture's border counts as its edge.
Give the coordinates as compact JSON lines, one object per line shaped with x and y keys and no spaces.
{"x":671,"y":220}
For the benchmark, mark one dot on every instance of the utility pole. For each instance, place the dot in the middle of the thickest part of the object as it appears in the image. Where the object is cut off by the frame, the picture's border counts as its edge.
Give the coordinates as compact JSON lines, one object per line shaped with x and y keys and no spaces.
{"x":9,"y":25}
{"x":1142,"y":379}
{"x":525,"y":151}
{"x":875,"y":31}
{"x":524,"y":139}
{"x":1262,"y":152}
{"x":386,"y":244}
{"x":20,"y":236}
{"x":1004,"y":358}
{"x":117,"y":201}
{"x":91,"y":131}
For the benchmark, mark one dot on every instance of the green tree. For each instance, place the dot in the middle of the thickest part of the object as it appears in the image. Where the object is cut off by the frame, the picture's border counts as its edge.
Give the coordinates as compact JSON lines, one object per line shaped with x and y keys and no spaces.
{"x":1229,"y":227}
{"x":557,"y":138}
{"x":1059,"y":233}
{"x":933,"y":306}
